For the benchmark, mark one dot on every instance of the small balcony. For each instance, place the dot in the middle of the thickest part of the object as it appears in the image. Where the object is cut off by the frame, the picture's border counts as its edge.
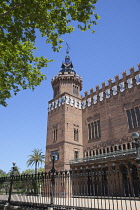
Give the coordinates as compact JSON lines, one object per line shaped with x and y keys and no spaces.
{"x":105,"y":156}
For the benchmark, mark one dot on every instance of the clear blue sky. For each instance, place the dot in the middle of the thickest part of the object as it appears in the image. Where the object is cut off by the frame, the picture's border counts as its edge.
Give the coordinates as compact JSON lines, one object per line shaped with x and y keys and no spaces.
{"x":114,"y":48}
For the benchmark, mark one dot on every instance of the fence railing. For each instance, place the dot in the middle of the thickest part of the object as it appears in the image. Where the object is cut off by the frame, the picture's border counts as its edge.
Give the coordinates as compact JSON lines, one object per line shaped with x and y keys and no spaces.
{"x":104,"y":187}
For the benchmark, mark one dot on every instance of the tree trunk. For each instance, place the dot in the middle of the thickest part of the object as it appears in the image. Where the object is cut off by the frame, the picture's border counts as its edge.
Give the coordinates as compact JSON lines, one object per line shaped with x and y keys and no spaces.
{"x":35,"y":167}
{"x":35,"y":190}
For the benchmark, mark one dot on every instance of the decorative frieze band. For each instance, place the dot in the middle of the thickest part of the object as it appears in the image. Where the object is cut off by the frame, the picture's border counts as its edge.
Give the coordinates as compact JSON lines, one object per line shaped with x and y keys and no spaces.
{"x":92,"y":100}
{"x":65,"y":100}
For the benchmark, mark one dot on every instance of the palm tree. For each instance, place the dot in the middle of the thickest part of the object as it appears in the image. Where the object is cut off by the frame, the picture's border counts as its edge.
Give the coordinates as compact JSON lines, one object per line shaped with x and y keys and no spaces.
{"x":36,"y":158}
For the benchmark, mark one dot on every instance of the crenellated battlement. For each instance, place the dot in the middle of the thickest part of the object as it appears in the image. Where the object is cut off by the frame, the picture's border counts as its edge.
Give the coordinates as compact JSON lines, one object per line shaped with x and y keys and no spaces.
{"x":67,"y":77}
{"x":114,"y":87}
{"x":118,"y":86}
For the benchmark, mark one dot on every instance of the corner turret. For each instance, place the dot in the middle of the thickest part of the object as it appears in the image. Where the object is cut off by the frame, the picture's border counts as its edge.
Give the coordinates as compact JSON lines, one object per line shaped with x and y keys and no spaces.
{"x":67,"y":81}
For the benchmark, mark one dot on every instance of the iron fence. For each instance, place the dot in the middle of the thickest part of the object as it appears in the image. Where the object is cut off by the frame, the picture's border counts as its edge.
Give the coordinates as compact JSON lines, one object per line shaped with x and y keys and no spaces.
{"x":114,"y":187}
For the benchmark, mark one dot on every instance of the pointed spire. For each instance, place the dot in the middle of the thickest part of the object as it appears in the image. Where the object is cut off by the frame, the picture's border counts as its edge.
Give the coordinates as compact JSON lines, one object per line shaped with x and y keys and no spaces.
{"x":67,"y":65}
{"x":67,"y":50}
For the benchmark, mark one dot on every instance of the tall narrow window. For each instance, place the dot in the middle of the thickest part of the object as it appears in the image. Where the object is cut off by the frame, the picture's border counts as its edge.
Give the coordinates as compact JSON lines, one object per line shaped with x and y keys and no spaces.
{"x":89,"y":131}
{"x":129,"y":119}
{"x":75,"y":89}
{"x":76,"y":154}
{"x":55,"y":134}
{"x":99,"y":132}
{"x":133,"y":116}
{"x":138,"y":115}
{"x":94,"y":131}
{"x":76,"y":134}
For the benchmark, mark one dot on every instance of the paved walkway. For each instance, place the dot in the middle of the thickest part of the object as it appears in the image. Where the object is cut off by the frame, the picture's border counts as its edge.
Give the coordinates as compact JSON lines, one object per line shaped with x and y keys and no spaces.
{"x":89,"y":203}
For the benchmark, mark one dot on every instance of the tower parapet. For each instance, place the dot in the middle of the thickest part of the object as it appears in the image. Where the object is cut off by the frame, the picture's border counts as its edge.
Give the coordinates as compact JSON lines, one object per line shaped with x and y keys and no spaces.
{"x":67,"y":80}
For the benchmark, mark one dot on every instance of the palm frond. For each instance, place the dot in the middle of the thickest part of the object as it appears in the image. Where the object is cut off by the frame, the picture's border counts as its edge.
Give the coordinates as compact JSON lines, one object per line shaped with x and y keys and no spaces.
{"x":36,"y":158}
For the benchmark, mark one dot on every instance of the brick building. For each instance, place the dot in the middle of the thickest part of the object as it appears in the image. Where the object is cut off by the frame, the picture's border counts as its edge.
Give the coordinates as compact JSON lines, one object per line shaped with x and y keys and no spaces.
{"x":96,"y":128}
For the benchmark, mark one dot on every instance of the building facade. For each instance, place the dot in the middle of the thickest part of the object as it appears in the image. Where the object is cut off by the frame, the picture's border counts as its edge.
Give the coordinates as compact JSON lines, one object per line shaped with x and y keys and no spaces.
{"x":94,"y":129}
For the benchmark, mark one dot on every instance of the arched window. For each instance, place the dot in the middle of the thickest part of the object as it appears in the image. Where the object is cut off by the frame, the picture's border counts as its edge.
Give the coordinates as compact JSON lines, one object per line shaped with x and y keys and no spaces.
{"x":107,"y":150}
{"x":96,"y":152}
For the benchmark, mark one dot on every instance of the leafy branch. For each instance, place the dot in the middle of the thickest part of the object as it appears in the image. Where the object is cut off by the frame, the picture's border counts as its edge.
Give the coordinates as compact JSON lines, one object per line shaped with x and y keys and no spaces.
{"x":12,"y":8}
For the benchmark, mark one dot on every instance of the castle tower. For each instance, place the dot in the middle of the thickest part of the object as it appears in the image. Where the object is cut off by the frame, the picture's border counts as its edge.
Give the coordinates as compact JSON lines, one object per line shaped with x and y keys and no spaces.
{"x":64,"y":131}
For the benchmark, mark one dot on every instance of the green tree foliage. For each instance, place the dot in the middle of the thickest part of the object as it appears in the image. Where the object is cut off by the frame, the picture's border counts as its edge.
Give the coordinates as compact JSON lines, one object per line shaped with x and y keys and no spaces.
{"x":27,"y":185}
{"x":36,"y":158}
{"x":2,"y":173}
{"x":31,"y":186}
{"x":19,"y":21}
{"x":3,"y":185}
{"x":40,"y":170}
{"x":28,"y":172}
